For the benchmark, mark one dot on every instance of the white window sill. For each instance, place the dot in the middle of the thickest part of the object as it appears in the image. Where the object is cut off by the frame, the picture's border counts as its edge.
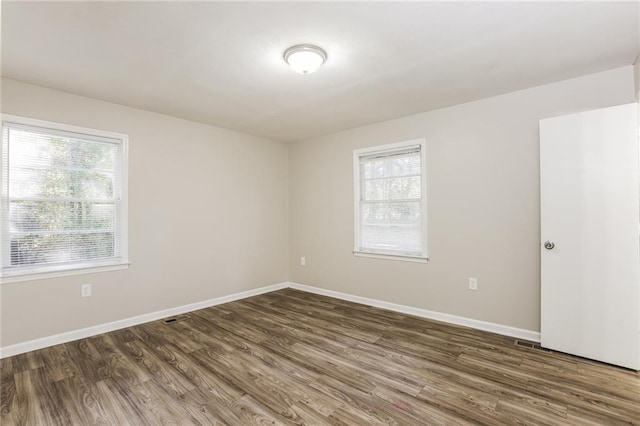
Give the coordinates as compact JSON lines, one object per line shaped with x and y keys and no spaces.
{"x":401,"y":257}
{"x":30,"y":276}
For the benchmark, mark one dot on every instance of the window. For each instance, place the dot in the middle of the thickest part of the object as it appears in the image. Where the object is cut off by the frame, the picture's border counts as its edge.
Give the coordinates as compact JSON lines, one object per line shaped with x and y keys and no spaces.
{"x":390,"y":201}
{"x":64,"y":204}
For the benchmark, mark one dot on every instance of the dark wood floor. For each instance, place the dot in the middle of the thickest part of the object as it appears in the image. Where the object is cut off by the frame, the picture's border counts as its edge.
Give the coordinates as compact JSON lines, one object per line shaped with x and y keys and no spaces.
{"x":290,"y":357}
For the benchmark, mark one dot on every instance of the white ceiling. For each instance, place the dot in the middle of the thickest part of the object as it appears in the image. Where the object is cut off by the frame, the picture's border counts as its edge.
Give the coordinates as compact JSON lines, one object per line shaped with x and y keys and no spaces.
{"x":221,"y":63}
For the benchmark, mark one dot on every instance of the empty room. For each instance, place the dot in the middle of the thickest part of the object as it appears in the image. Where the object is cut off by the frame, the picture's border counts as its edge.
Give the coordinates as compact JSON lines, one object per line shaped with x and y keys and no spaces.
{"x":320,"y":213}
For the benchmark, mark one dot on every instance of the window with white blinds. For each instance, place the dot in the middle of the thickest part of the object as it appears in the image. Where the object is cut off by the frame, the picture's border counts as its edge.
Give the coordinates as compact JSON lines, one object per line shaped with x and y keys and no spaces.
{"x":389,"y":203}
{"x":63,"y":197}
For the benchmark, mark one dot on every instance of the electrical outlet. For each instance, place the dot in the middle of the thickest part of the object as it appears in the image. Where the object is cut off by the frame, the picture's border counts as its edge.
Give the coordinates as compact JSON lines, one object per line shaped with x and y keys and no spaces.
{"x":85,"y":290}
{"x":473,"y":283}
{"x":303,"y":261}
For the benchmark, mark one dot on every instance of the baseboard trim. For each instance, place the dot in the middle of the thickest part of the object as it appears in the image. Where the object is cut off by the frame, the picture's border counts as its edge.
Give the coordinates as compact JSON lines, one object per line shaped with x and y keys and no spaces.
{"x":505,"y":330}
{"x":70,"y":336}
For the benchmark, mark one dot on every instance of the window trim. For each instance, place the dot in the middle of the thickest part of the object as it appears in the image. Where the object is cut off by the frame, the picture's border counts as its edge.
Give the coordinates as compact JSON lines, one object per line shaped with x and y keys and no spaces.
{"x":382,"y":149}
{"x":83,"y":267}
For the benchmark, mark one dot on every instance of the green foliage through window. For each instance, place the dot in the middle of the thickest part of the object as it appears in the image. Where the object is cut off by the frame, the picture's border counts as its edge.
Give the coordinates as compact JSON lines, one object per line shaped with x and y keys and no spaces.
{"x":61,"y":197}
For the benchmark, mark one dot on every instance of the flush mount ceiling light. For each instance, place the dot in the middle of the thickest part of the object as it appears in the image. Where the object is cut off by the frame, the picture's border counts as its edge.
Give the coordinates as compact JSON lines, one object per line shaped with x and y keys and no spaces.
{"x":305,"y":58}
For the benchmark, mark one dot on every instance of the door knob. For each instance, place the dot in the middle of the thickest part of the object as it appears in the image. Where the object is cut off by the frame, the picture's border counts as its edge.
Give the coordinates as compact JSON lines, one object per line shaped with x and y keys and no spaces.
{"x":549,"y":245}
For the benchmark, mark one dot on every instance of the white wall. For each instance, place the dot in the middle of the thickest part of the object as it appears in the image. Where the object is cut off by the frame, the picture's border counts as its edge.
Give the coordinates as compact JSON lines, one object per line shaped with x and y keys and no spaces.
{"x":208,"y":217}
{"x":483,"y":203}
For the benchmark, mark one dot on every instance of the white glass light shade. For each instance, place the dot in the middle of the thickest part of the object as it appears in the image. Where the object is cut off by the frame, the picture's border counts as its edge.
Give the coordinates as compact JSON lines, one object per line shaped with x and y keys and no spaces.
{"x":305,"y":58}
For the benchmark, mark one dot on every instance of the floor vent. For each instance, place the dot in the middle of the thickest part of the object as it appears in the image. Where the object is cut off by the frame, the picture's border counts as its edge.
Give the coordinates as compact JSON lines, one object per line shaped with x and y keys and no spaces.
{"x":530,"y":345}
{"x":177,"y":318}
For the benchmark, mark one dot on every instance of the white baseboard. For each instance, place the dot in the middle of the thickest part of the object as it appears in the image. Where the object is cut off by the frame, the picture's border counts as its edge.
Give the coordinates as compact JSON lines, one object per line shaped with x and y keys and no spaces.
{"x":506,"y":330}
{"x":70,"y":336}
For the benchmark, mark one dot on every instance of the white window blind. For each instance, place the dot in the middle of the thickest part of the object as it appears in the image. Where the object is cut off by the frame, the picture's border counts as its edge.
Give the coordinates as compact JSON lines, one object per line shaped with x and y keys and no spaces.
{"x":61,"y":200}
{"x":390,"y":200}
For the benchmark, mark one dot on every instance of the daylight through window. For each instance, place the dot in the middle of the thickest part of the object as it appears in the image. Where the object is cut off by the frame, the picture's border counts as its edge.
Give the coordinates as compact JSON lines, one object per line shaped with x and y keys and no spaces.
{"x":63,"y":204}
{"x":390,"y":200}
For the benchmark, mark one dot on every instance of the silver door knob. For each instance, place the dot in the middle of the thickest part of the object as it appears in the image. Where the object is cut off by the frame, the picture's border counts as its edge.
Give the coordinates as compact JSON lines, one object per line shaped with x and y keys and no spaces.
{"x":549,"y":245}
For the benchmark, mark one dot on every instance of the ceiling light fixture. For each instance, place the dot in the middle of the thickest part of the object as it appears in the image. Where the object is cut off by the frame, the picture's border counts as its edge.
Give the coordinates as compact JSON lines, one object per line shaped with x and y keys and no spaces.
{"x":305,"y":58}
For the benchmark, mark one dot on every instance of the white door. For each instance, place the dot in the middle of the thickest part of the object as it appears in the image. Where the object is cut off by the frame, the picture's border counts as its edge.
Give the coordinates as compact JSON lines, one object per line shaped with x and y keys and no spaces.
{"x":589,"y":174}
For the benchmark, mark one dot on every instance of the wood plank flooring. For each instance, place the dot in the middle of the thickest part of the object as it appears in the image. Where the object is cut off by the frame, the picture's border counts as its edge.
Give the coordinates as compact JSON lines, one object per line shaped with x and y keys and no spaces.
{"x":291,"y":357}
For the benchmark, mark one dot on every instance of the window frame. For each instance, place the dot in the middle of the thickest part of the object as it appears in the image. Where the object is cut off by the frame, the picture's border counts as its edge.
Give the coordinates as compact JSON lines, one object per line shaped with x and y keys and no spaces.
{"x":357,"y":192}
{"x":28,"y":273}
